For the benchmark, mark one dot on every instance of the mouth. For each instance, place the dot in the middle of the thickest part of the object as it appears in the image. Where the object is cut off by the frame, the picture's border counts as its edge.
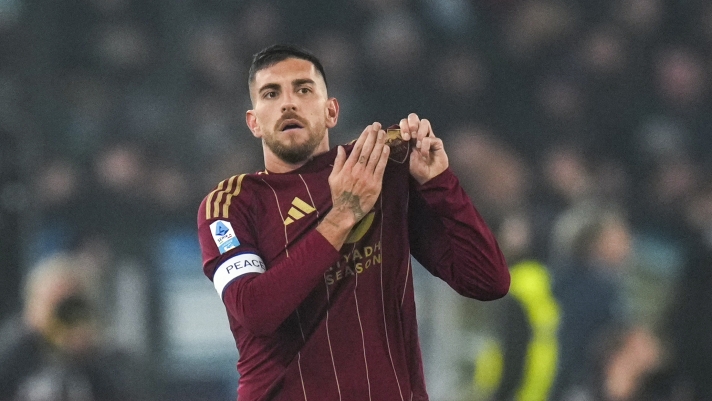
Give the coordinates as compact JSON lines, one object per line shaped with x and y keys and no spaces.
{"x":290,"y":124}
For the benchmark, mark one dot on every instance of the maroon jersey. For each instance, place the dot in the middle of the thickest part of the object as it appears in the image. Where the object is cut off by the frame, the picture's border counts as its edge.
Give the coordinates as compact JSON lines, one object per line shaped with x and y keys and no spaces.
{"x":314,"y":323}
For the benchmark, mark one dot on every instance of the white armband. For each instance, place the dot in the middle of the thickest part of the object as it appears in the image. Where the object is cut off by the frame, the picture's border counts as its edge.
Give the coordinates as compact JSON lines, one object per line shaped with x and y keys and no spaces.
{"x":235,"y":267}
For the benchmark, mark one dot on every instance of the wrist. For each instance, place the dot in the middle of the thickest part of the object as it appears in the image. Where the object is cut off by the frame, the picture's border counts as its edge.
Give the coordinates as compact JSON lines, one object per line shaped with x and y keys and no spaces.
{"x":335,"y":227}
{"x":340,"y":220}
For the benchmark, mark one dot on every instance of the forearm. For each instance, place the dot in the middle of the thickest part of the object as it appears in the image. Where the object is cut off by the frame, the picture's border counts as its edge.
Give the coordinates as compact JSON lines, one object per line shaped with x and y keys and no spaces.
{"x":336,"y":226}
{"x":450,"y":238}
{"x":261,"y":302}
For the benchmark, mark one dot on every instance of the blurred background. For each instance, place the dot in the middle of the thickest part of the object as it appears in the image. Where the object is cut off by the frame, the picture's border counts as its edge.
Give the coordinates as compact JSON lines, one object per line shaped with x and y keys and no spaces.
{"x":581,"y":129}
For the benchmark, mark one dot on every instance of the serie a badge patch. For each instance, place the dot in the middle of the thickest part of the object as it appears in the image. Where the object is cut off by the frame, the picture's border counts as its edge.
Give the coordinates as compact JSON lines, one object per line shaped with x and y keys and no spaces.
{"x":224,"y":235}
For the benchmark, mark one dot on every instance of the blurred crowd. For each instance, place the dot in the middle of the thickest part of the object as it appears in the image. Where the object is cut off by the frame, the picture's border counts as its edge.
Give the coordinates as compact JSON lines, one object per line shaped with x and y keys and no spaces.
{"x":582,"y":130}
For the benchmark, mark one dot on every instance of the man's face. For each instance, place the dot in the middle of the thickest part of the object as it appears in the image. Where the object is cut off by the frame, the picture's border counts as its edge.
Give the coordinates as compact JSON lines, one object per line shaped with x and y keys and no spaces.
{"x":291,"y":110}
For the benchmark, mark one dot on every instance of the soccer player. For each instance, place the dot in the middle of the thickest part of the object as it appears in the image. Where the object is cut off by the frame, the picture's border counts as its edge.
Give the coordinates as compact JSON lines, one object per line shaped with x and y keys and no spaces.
{"x":311,"y":256}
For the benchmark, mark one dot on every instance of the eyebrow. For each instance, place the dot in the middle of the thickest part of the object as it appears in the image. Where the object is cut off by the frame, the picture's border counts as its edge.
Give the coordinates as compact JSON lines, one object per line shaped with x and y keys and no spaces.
{"x":295,"y":83}
{"x":269,"y":86}
{"x":302,"y":81}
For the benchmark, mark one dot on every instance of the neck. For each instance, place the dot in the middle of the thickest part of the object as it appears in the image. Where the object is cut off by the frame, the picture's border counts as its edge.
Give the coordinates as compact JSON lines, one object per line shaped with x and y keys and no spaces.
{"x":276,"y":165}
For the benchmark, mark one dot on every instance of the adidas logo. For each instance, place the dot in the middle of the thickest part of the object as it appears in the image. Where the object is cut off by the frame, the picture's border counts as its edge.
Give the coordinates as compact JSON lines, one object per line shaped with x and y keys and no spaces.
{"x":298,"y":210}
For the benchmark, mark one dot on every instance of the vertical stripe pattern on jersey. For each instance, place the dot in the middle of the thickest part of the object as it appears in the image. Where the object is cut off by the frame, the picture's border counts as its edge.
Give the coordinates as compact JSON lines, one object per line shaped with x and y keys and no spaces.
{"x":383,"y":304}
{"x":405,"y":285}
{"x":363,"y":339}
{"x":410,"y":259}
{"x":299,"y":355}
{"x":310,"y":196}
{"x":328,"y":339}
{"x":281,"y":215}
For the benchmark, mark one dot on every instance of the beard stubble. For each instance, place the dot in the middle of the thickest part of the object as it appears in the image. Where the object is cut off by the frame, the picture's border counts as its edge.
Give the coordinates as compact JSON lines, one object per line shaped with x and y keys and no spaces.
{"x":289,"y":150}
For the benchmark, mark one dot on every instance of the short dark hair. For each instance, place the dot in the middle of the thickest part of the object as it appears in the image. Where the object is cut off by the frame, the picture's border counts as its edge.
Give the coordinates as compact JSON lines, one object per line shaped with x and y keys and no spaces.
{"x":272,"y":55}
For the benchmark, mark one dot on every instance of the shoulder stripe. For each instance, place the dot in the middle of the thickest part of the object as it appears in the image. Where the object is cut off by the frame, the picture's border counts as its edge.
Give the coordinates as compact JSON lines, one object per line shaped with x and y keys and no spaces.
{"x":222,"y":195}
{"x":209,"y":201}
{"x":219,"y":196}
{"x":236,"y":192}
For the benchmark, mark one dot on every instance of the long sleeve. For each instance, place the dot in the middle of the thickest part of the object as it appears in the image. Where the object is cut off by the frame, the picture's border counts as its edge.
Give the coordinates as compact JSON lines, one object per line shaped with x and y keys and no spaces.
{"x":259,"y":290}
{"x":450,"y":238}
{"x":261,"y":302}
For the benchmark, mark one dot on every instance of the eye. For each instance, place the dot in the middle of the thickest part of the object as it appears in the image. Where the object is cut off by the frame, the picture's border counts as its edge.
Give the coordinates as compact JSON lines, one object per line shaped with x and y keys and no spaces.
{"x":269,"y":95}
{"x":303,"y":90}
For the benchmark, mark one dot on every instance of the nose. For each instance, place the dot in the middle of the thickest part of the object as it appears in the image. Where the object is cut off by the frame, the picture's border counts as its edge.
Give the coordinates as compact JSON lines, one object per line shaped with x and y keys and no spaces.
{"x":288,"y":103}
{"x":288,"y":106}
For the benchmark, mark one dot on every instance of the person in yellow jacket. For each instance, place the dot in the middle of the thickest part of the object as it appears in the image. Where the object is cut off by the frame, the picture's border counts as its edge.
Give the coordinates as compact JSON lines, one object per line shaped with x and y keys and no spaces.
{"x":521,"y":363}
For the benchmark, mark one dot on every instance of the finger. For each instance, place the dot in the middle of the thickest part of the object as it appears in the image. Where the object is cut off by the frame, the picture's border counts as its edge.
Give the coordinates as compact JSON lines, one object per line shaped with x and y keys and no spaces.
{"x":424,"y":148}
{"x":431,"y":145}
{"x":382,"y":162}
{"x":356,"y":150}
{"x":368,"y":145}
{"x":377,"y":150}
{"x":413,"y":123}
{"x":423,"y":132}
{"x":405,"y":129}
{"x":339,"y":161}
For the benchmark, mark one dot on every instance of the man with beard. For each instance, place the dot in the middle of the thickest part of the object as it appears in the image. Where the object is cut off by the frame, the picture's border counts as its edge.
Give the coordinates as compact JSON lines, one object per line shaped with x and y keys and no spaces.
{"x":311,"y":256}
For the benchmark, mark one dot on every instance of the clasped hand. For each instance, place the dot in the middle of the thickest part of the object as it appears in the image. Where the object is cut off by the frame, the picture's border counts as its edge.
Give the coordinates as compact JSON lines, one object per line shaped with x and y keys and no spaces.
{"x":428,"y":158}
{"x":357,"y":179}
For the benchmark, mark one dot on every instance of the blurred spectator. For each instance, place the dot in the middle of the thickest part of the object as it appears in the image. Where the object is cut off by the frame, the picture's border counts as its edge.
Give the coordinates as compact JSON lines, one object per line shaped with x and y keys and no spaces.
{"x":588,"y":284}
{"x":119,"y":206}
{"x":622,"y":360}
{"x":212,"y":56}
{"x":565,"y":179}
{"x":568,"y":174}
{"x":527,"y":320}
{"x":54,"y":350}
{"x":681,"y":78}
{"x":501,"y":184}
{"x":689,"y":319}
{"x":538,"y":25}
{"x":605,"y":51}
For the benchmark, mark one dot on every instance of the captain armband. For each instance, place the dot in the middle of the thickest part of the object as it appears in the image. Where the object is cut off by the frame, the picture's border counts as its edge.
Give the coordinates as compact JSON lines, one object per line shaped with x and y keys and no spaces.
{"x":234,"y":268}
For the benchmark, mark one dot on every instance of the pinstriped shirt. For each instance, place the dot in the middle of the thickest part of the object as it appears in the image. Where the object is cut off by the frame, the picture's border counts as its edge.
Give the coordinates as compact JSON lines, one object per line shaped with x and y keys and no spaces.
{"x":314,"y":323}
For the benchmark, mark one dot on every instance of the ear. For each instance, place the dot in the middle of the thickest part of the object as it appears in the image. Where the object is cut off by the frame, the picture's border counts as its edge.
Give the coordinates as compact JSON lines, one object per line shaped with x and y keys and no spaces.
{"x":251,"y":120}
{"x":332,"y":112}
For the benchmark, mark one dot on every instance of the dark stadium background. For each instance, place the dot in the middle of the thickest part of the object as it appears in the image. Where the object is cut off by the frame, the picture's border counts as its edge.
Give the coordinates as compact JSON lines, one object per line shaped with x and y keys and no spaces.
{"x":118,"y":116}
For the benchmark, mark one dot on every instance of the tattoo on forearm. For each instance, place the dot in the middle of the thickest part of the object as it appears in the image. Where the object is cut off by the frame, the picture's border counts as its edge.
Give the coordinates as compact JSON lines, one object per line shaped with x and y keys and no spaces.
{"x":351,"y":201}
